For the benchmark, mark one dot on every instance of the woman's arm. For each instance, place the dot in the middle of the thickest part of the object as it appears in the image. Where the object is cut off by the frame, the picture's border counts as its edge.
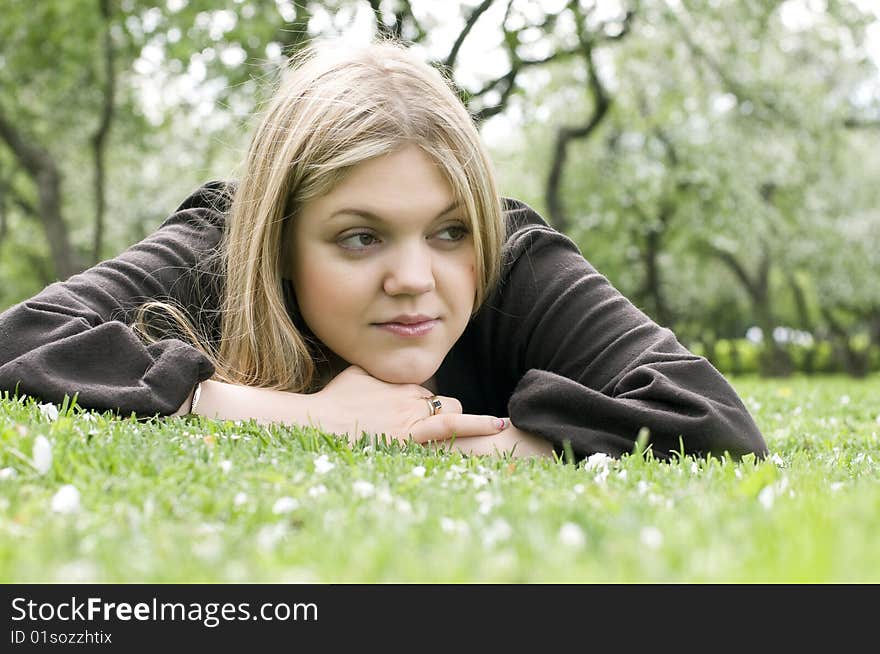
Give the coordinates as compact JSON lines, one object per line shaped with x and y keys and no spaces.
{"x":352,"y":404}
{"x":592,"y":369}
{"x":74,"y":338}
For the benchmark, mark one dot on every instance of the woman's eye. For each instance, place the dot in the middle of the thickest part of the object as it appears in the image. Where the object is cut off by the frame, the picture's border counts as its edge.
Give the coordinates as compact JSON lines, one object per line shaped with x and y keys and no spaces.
{"x":458,"y":232}
{"x":358,"y":241}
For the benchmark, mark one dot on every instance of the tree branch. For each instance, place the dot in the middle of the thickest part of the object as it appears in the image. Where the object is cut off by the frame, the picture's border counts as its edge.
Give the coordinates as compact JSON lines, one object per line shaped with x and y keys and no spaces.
{"x":478,"y":11}
{"x":601,"y":104}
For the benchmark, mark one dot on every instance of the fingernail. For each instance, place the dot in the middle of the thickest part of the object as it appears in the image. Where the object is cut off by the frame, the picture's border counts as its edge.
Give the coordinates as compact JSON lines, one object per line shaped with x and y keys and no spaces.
{"x":502,"y":424}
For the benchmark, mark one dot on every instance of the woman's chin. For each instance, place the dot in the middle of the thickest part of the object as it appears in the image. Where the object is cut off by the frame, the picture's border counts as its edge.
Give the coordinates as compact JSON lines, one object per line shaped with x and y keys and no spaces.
{"x":416,"y":375}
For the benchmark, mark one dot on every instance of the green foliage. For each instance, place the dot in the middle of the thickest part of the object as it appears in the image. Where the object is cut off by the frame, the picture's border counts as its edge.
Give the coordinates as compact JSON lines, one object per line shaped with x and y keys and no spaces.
{"x":193,"y":500}
{"x":741,"y":356}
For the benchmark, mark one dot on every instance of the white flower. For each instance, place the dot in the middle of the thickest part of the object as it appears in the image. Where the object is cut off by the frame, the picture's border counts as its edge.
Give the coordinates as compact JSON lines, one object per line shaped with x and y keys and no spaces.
{"x":572,"y":535}
{"x":419,"y":471}
{"x":766,"y":497}
{"x":844,"y":399}
{"x":8,"y":473}
{"x":317,"y":491}
{"x":601,"y":476}
{"x":448,"y":525}
{"x":49,"y":410}
{"x":269,"y":535}
{"x":597,"y":460}
{"x":239,"y":499}
{"x":651,"y":537}
{"x":66,"y":500}
{"x":42,"y":454}
{"x":777,"y":460}
{"x":226,"y":466}
{"x":486,"y":501}
{"x":323,"y":464}
{"x":479,"y":480}
{"x":363,"y":488}
{"x":578,"y":489}
{"x":76,"y":572}
{"x":284,"y":505}
{"x":498,"y":531}
{"x":836,"y":486}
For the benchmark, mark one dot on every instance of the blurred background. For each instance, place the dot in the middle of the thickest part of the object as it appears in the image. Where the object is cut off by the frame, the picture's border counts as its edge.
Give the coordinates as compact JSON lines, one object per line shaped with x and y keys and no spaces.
{"x":717,"y":160}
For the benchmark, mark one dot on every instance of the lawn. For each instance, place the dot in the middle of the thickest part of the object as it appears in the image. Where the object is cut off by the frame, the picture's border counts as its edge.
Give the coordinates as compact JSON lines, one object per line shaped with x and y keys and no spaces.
{"x":85,"y":497}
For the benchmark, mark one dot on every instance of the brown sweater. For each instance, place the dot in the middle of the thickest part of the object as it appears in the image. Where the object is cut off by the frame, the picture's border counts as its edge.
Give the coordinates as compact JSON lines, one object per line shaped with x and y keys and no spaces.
{"x":555,"y":346}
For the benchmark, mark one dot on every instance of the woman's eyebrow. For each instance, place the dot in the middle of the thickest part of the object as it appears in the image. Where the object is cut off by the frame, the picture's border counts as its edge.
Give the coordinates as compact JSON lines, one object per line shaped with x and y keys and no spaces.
{"x":369,"y":215}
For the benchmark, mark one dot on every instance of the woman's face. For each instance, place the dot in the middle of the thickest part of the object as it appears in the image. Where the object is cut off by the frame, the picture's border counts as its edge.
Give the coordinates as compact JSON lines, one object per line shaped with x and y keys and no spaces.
{"x":387,"y":244}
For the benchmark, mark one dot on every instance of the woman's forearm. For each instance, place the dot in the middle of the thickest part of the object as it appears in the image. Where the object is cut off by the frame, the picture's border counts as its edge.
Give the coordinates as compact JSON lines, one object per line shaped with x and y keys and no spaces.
{"x":235,"y":402}
{"x":353,"y":403}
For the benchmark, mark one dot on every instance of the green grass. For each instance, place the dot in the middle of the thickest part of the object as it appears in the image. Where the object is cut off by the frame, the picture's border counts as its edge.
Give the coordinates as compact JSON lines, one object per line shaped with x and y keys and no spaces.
{"x":191,"y":500}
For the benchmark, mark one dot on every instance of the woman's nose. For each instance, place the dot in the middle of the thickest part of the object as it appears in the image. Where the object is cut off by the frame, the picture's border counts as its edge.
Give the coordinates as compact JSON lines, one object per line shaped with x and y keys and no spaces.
{"x":410,"y":270}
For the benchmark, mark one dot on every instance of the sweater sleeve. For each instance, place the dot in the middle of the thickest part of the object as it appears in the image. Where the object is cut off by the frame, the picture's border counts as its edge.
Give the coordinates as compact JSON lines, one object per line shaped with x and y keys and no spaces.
{"x":73,"y":337}
{"x":593,"y":370}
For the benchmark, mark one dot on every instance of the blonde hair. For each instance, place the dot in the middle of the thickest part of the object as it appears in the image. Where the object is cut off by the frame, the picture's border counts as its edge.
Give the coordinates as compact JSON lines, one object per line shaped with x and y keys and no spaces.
{"x":335,"y":107}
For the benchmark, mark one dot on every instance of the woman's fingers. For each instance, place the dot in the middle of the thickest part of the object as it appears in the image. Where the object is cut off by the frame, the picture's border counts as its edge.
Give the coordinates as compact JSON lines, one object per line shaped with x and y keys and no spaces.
{"x":444,"y":426}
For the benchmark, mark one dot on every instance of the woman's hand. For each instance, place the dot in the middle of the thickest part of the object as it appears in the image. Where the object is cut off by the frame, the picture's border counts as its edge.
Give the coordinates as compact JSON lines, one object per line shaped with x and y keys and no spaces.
{"x":512,"y":440}
{"x":355,"y":402}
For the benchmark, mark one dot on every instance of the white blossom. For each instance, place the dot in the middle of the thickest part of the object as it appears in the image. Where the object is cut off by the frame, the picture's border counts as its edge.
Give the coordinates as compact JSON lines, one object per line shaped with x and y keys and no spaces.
{"x":323,"y":464}
{"x":777,"y":460}
{"x":66,"y":500}
{"x":317,"y":491}
{"x":226,"y":466}
{"x":8,"y":473}
{"x":572,"y":535}
{"x":651,"y":537}
{"x":486,"y":501}
{"x":767,"y":496}
{"x":599,"y":460}
{"x":269,"y":535}
{"x":49,"y":410}
{"x":479,"y":480}
{"x":450,"y":526}
{"x":498,"y":531}
{"x":419,"y":471}
{"x":239,"y":499}
{"x":363,"y":488}
{"x":284,"y":505}
{"x":42,"y":454}
{"x":844,"y":399}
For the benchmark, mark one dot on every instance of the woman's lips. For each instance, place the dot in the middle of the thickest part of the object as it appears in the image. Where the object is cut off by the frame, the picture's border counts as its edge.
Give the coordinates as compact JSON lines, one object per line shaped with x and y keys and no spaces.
{"x":412,"y":330}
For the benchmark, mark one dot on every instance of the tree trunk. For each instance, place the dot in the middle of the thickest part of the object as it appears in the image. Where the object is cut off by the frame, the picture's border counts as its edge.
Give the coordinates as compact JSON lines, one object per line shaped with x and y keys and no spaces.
{"x":775,"y":361}
{"x":99,"y":138}
{"x":43,"y":171}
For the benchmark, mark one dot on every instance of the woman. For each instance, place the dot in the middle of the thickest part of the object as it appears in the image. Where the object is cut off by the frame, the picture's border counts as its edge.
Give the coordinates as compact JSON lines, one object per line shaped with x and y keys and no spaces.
{"x":365,"y":277}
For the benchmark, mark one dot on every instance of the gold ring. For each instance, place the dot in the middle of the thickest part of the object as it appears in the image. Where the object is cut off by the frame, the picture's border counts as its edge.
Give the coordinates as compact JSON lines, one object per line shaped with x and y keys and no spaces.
{"x":434,"y":404}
